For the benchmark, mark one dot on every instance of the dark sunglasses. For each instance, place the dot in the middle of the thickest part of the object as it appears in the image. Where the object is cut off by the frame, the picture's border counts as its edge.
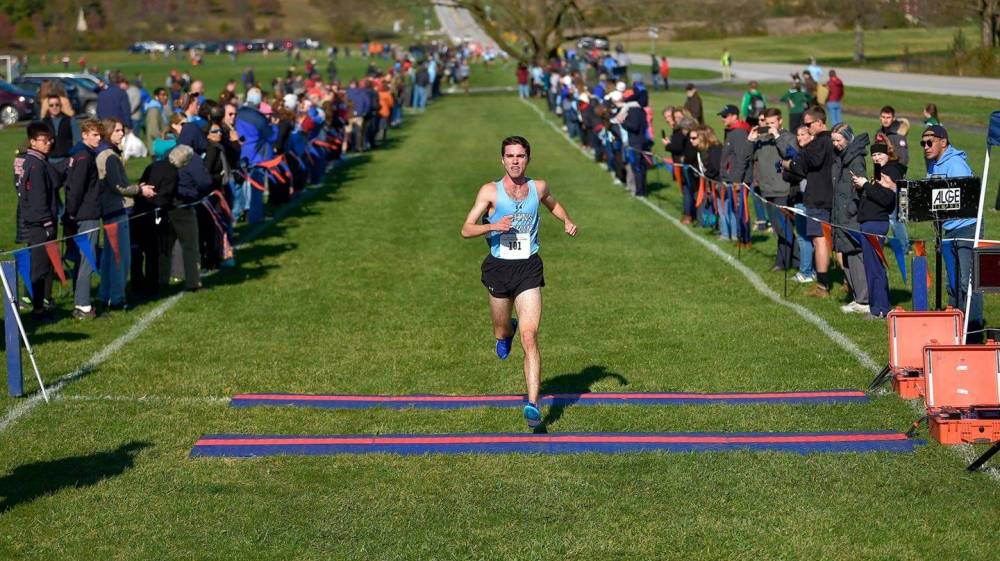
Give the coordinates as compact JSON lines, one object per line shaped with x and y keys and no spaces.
{"x":807,"y":123}
{"x":927,"y":143}
{"x":215,"y":131}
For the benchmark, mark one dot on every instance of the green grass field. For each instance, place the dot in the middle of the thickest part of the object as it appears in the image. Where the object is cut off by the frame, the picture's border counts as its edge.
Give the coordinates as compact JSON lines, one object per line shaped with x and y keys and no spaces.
{"x":883,"y":47}
{"x":368,"y":288}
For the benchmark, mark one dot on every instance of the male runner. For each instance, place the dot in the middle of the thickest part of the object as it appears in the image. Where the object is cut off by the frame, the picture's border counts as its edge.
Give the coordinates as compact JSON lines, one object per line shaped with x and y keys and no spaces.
{"x":512,"y":272}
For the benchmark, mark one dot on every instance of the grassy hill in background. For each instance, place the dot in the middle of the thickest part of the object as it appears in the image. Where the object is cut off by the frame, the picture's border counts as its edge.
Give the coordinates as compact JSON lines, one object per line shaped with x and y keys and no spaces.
{"x":34,"y":25}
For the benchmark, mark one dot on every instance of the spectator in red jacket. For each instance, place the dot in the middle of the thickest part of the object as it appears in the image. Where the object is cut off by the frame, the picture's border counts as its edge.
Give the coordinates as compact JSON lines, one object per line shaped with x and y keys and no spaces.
{"x":836,"y":93}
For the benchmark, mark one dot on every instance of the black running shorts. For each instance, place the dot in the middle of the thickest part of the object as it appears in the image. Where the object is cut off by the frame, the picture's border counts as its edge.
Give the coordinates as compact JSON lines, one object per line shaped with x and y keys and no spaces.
{"x":506,"y":278}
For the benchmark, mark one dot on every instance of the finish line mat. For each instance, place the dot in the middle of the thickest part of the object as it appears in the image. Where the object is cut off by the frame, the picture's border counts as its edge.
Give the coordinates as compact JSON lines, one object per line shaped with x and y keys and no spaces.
{"x":246,"y":446}
{"x":466,"y":401}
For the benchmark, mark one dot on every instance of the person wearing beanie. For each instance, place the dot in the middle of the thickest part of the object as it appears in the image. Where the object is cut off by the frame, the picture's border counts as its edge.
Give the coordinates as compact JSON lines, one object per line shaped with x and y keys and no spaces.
{"x":849,"y":163}
{"x":876,"y":204}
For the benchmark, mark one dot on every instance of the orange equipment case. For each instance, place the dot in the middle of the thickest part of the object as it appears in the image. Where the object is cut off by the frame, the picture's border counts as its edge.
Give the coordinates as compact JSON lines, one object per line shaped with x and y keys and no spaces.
{"x":963,"y":392}
{"x":909,"y":333}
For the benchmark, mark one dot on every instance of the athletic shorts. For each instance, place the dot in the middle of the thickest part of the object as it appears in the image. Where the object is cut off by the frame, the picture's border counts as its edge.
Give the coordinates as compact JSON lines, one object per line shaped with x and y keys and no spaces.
{"x":506,"y":278}
{"x":814,"y":229}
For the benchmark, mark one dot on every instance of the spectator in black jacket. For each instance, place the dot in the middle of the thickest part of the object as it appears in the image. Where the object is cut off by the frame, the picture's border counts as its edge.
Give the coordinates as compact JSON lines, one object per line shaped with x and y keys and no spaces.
{"x":193,"y":183}
{"x":83,"y":212}
{"x":152,"y":227}
{"x":815,"y":163}
{"x":64,"y":129}
{"x":38,"y":203}
{"x":878,"y":199}
{"x":632,"y":118}
{"x":709,"y":160}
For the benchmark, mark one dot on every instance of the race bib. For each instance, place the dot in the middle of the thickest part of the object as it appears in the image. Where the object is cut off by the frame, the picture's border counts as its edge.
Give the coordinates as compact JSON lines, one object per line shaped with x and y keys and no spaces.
{"x":515,"y":246}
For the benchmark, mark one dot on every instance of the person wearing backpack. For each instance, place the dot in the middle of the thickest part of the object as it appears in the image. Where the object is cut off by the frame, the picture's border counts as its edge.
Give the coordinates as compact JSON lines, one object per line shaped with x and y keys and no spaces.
{"x":753,"y":104}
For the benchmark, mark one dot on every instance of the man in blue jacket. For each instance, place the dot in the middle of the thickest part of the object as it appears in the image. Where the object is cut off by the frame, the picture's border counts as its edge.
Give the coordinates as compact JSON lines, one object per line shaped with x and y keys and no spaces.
{"x":944,"y":160}
{"x":113,"y":102}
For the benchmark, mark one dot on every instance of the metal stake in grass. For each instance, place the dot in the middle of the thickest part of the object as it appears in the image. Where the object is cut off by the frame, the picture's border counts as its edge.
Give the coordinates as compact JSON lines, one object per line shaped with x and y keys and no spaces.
{"x":24,"y":336}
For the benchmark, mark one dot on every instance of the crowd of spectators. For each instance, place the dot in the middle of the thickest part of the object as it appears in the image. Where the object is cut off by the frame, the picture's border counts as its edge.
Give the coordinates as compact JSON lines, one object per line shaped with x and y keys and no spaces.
{"x":217,"y":160}
{"x":803,"y":171}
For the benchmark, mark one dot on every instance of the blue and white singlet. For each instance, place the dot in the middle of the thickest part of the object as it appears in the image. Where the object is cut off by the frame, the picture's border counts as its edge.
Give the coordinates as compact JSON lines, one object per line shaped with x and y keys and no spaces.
{"x":521,"y":241}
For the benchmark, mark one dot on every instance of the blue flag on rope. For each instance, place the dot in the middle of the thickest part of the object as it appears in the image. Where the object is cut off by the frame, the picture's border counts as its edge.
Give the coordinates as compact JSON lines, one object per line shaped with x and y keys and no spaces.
{"x":22,"y":258}
{"x":897,"y":249}
{"x":82,"y":241}
{"x":993,"y":137}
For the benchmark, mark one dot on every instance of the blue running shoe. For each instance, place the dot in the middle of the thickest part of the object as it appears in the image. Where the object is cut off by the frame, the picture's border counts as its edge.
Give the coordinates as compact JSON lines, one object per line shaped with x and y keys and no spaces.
{"x":533,"y":416}
{"x":503,"y":345}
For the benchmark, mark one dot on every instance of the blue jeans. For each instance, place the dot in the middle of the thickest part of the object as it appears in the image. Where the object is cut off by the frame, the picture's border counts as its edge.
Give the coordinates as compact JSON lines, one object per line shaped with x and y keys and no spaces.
{"x":806,"y":249}
{"x":833,"y":112}
{"x":114,"y":274}
{"x":419,"y":97}
{"x":689,"y":188}
{"x":728,"y":228}
{"x":760,"y":211}
{"x":82,"y":267}
{"x":878,"y":282}
{"x":958,"y":280}
{"x":899,"y":231}
{"x":523,"y":90}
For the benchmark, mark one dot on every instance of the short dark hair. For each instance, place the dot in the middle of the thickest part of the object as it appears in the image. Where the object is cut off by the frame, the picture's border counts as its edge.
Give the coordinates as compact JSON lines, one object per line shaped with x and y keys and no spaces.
{"x":518,"y":140}
{"x":772,"y":112}
{"x":53,"y":95}
{"x":888,"y":109}
{"x":158,"y":91}
{"x":817,"y":113}
{"x":38,"y":129}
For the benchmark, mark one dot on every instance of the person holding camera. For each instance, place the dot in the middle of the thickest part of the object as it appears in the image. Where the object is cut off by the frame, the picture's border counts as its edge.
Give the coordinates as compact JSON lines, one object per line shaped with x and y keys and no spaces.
{"x":815,"y":163}
{"x":770,"y":143}
{"x":877,"y":201}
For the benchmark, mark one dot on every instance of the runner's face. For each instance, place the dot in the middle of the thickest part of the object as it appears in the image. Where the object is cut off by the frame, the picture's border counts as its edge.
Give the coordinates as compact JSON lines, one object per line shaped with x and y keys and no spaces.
{"x":515,"y":160}
{"x":885,"y":119}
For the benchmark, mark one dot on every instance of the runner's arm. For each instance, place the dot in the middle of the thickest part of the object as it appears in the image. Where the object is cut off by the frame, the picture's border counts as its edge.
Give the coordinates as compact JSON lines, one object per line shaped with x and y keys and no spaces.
{"x":471,"y":228}
{"x":555,"y":207}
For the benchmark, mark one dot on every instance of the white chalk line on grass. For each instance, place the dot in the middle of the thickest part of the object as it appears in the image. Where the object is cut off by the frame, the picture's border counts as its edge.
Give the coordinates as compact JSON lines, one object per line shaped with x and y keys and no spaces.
{"x":967,"y":452}
{"x":152,"y":399}
{"x":24,"y":407}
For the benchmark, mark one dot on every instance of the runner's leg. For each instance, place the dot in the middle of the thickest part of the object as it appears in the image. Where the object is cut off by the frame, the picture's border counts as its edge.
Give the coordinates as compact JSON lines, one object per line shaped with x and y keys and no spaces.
{"x":500,"y":309}
{"x":529,"y":316}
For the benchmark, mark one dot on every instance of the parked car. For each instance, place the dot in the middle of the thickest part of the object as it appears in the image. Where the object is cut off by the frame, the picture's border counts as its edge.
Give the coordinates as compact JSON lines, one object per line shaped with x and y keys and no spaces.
{"x":33,"y":84}
{"x":85,"y":84}
{"x":597,"y":42}
{"x":16,"y":104}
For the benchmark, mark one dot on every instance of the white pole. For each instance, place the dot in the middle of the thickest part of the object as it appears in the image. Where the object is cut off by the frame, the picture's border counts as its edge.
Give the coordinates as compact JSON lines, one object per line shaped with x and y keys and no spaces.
{"x":24,"y":336}
{"x":975,"y":244}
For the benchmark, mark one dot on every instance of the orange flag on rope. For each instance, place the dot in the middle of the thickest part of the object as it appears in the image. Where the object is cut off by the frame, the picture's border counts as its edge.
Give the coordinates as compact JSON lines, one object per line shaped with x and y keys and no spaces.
{"x":52,"y":249}
{"x":920,"y":250}
{"x":877,"y":246}
{"x":677,"y":174}
{"x":111,"y":233}
{"x":701,"y":193}
{"x":988,"y":243}
{"x":828,"y":234}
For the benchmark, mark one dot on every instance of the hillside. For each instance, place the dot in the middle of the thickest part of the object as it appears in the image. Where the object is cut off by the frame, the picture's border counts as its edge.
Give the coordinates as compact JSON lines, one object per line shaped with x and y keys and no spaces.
{"x":36,"y":24}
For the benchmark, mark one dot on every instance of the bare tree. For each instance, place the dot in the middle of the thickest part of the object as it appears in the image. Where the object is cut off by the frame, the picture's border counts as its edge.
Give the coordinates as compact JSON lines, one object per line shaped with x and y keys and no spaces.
{"x":989,"y":12}
{"x":542,"y":26}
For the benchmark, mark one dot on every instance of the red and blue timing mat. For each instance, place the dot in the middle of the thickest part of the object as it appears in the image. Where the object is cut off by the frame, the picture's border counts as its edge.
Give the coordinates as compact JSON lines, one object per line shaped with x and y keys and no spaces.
{"x":514,"y":400}
{"x":247,"y":446}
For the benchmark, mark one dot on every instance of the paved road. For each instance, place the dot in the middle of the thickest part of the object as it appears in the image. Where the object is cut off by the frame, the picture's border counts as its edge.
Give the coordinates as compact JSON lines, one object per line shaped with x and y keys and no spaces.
{"x":458,"y":24}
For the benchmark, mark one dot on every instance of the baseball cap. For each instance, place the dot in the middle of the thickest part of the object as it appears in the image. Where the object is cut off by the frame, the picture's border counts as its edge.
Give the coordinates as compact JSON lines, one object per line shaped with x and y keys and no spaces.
{"x":615,"y":96}
{"x":620,"y":86}
{"x":936,"y":130}
{"x":728,"y":110}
